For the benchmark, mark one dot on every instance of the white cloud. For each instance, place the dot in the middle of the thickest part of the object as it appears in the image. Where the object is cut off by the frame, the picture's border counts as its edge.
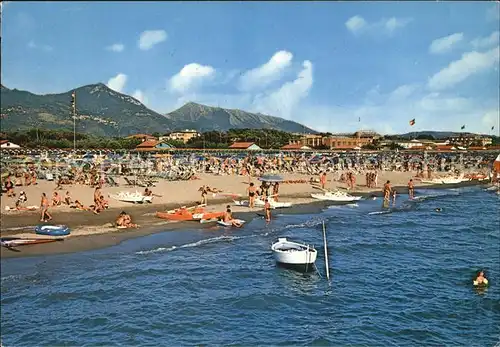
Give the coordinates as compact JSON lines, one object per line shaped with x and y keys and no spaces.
{"x":445,"y":44}
{"x":486,"y":42}
{"x":118,"y":82}
{"x":139,"y":95}
{"x":491,"y":118}
{"x":283,"y":101}
{"x":356,"y":24}
{"x":388,"y":26}
{"x":190,"y":76}
{"x":459,"y":70}
{"x":149,"y":38}
{"x":116,"y":47}
{"x":390,"y":112}
{"x":33,"y":45}
{"x":267,"y":73}
{"x":394,"y":23}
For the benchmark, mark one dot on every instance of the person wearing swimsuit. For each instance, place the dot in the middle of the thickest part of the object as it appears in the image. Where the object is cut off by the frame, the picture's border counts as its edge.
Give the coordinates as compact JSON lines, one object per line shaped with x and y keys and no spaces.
{"x":411,"y":189}
{"x":204,"y":192}
{"x":387,"y":193}
{"x":251,"y":195}
{"x":44,"y":206}
{"x":267,"y":210}
{"x":276,"y":190}
{"x":9,"y":187}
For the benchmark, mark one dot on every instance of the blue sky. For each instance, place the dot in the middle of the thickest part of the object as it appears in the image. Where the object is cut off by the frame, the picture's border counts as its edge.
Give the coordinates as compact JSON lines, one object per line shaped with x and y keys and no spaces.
{"x":334,"y":66}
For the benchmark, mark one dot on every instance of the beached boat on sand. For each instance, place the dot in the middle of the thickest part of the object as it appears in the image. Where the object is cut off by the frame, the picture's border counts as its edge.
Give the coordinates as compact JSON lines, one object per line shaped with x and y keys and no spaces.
{"x":189,"y":214}
{"x":294,"y":255}
{"x":446,"y":180}
{"x":10,"y":242}
{"x":336,"y":196}
{"x":136,"y":198}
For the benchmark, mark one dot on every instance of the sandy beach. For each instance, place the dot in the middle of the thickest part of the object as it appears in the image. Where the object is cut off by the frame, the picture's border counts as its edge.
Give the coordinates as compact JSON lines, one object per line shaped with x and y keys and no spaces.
{"x":90,"y":231}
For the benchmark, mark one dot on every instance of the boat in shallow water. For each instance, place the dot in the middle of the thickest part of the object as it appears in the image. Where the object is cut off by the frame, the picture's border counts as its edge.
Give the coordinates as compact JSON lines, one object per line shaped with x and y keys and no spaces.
{"x":336,"y":196}
{"x":259,"y":202}
{"x":294,"y":255}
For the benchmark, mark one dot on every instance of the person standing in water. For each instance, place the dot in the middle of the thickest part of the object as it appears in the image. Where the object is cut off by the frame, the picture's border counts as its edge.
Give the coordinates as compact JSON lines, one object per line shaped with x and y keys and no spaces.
{"x":394,"y":193}
{"x":411,"y":189}
{"x":267,"y":210}
{"x":387,"y":193}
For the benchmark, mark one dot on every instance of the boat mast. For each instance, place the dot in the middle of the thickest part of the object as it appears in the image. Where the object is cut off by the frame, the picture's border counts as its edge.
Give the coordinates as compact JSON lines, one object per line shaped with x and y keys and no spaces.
{"x":326,"y":253}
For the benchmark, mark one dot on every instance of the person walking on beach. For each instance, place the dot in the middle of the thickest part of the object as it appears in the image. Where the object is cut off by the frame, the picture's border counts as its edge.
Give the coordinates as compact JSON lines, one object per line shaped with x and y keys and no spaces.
{"x":44,"y":207}
{"x":411,"y":189}
{"x":251,"y":195}
{"x":387,"y":193}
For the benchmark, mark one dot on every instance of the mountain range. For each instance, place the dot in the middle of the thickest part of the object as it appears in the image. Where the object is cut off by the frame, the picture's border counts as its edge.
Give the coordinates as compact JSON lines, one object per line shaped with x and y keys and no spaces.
{"x":105,"y":112}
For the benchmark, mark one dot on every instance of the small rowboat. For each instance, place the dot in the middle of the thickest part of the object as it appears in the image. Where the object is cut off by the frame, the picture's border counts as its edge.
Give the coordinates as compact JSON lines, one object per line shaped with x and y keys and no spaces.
{"x":52,"y":230}
{"x":10,"y":242}
{"x":294,"y":255}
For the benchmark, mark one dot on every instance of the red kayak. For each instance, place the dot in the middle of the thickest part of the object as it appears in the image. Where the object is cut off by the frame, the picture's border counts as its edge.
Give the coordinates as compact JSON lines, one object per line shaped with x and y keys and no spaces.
{"x":185,"y":215}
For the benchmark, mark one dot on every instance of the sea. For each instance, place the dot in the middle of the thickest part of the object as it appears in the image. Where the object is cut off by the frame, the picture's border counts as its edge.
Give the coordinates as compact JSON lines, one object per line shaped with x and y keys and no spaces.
{"x":401,"y":277}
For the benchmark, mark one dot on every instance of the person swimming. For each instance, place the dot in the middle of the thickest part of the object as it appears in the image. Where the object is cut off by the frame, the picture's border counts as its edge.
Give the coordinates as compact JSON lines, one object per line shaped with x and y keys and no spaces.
{"x":480,"y":279}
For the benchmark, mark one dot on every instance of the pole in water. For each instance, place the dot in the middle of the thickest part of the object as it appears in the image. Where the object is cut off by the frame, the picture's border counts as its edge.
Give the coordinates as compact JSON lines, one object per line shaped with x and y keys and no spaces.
{"x":326,"y":253}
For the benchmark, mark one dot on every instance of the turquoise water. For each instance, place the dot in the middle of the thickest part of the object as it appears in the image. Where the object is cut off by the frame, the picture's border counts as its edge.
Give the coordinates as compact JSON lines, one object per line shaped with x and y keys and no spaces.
{"x":400,"y":278}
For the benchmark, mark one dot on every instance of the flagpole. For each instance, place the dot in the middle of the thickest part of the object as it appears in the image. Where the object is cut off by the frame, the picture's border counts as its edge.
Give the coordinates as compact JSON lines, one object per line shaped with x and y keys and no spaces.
{"x":73,"y":97}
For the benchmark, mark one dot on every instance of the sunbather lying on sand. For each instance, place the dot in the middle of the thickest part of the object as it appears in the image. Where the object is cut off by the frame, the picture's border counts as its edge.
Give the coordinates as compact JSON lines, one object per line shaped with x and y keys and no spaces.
{"x":79,"y":206}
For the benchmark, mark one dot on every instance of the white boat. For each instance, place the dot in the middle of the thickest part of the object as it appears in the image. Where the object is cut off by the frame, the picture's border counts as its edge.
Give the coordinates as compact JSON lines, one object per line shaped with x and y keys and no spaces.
{"x":294,"y":255}
{"x":230,"y":224}
{"x":258,"y":202}
{"x":136,"y":198}
{"x":336,"y":196}
{"x":446,"y":180}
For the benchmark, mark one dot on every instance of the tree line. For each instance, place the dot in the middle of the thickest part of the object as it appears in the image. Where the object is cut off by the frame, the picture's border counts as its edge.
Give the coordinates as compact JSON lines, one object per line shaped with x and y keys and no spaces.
{"x":62,"y":139}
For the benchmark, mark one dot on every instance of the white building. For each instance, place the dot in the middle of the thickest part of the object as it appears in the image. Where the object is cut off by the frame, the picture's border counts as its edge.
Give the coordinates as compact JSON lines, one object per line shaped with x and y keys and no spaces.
{"x":6,"y":144}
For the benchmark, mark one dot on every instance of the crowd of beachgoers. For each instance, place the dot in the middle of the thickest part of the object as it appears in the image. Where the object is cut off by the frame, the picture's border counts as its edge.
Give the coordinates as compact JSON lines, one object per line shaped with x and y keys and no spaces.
{"x":44,"y":182}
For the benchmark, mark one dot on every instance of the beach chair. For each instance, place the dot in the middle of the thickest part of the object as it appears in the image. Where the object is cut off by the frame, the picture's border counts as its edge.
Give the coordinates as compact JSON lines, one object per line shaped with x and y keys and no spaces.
{"x":129,"y":181}
{"x":112,"y":182}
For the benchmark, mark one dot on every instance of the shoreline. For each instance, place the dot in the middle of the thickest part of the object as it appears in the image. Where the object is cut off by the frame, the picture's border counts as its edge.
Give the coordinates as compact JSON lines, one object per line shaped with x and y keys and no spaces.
{"x":96,"y":233}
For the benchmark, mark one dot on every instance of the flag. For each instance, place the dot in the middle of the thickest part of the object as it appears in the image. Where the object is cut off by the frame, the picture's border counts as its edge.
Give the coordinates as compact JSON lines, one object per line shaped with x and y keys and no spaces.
{"x":412,"y":122}
{"x":463,"y":127}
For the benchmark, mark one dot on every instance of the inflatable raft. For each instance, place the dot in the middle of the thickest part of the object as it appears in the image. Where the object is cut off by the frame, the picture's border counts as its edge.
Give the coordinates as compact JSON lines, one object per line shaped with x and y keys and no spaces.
{"x":52,"y":230}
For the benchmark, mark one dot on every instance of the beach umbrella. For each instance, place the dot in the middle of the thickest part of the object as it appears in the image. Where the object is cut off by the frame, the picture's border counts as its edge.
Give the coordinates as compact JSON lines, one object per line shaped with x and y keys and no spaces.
{"x":271,"y":178}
